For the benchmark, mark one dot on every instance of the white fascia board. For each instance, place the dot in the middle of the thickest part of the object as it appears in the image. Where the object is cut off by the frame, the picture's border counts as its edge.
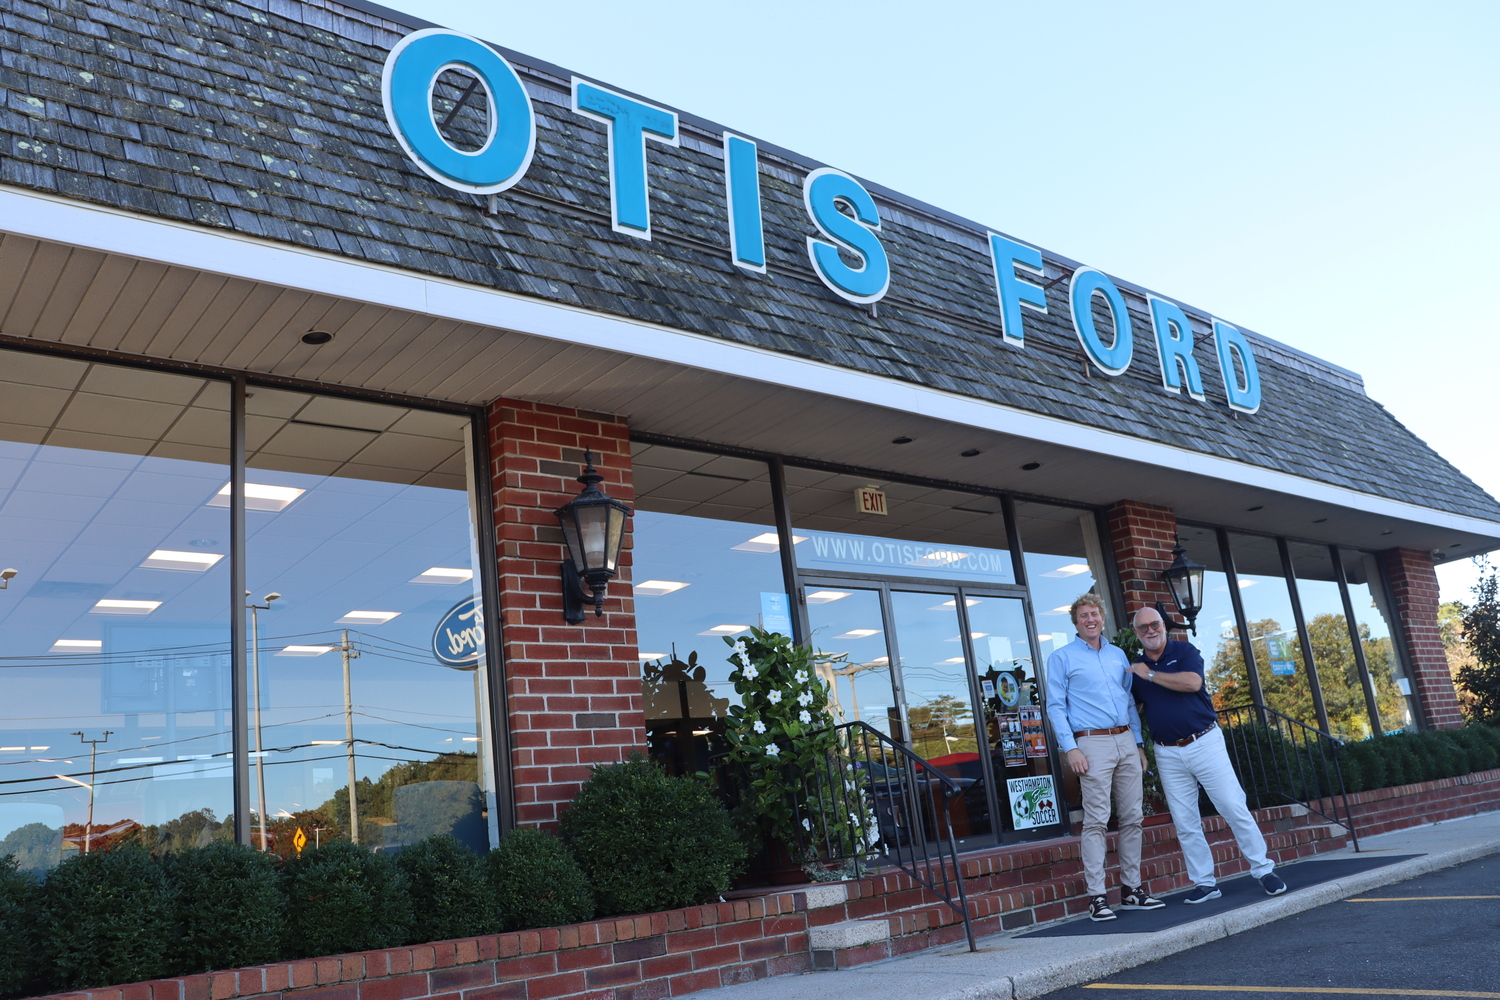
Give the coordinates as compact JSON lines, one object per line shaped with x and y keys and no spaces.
{"x":109,"y":230}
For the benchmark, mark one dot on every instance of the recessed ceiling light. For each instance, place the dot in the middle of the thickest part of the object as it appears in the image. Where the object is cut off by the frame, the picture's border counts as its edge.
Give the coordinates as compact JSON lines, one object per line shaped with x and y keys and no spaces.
{"x":1259,"y":506}
{"x":969,"y":602}
{"x":954,"y":659}
{"x":940,"y":557}
{"x":443,"y":574}
{"x":306,"y":650}
{"x":879,"y":661}
{"x":726,"y":630}
{"x":113,"y":607}
{"x":76,"y":645}
{"x":1071,"y":569}
{"x":824,"y":596}
{"x":259,"y":496}
{"x":1320,"y":520}
{"x":1059,"y":610}
{"x":972,"y":635}
{"x":367,"y":617}
{"x":192,"y":562}
{"x":1246,"y":583}
{"x":1031,"y":466}
{"x":970,"y":453}
{"x":767,"y":541}
{"x":1388,"y":531}
{"x":656,"y":588}
{"x":326,"y":743}
{"x":903,"y":439}
{"x":649,"y":656}
{"x":317,"y":338}
{"x":1455,"y":545}
{"x":858,"y":633}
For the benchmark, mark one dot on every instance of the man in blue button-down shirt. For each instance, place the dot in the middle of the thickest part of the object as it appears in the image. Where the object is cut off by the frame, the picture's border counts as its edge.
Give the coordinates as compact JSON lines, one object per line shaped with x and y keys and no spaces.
{"x":1094,"y":718}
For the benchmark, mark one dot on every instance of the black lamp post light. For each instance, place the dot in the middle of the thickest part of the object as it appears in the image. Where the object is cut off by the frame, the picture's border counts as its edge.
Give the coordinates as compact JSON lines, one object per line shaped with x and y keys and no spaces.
{"x":1185,"y":580}
{"x":593,"y":525}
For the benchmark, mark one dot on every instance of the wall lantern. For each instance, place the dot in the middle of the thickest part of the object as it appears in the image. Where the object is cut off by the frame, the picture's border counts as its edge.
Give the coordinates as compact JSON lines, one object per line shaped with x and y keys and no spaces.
{"x":593,"y":524}
{"x":1185,"y":580}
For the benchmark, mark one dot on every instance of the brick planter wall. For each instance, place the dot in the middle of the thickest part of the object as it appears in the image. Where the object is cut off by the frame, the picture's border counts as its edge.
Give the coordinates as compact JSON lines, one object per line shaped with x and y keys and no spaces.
{"x":1383,"y":810}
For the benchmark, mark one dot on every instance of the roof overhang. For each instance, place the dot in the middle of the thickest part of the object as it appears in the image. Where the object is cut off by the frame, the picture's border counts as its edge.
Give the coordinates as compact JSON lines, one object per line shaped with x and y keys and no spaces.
{"x":98,"y":277}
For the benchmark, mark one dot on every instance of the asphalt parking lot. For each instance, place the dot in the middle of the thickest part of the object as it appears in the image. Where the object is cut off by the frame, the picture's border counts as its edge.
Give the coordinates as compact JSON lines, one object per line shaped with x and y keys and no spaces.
{"x":1437,"y":935}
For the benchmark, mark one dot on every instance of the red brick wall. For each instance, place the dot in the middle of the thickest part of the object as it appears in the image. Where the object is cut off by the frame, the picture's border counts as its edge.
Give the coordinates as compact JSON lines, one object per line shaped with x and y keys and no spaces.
{"x":573,"y":692}
{"x":1144,"y":536}
{"x":1414,"y":589}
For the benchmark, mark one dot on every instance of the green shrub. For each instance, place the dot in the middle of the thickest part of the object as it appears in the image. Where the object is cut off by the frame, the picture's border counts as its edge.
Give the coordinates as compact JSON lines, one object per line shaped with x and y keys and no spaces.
{"x":106,"y":918}
{"x":341,"y":897}
{"x":648,"y":841}
{"x":1483,"y":756}
{"x":228,"y":907}
{"x":18,"y":912}
{"x":536,"y":882}
{"x":450,"y":897}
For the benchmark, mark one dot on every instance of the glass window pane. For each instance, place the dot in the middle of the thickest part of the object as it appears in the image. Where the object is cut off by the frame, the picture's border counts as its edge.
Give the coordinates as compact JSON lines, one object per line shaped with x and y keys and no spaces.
{"x":1273,"y":629}
{"x":1218,"y":636}
{"x":1063,"y":562}
{"x":361,"y":517}
{"x":849,"y":629}
{"x":706,"y":564}
{"x":1393,"y":692}
{"x":926,"y":532}
{"x":1328,"y":634}
{"x":116,"y":625}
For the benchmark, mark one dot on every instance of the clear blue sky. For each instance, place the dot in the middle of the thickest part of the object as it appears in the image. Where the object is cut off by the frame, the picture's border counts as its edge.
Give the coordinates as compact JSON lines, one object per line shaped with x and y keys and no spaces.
{"x":1322,"y":173}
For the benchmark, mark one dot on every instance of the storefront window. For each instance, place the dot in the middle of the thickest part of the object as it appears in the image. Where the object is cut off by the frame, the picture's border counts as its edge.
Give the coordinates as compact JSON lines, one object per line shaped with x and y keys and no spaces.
{"x":115,"y":628}
{"x":706,"y":564}
{"x":1372,"y":616}
{"x":925,"y":532}
{"x":360,"y":516}
{"x":1063,"y":562}
{"x":1328,"y":634}
{"x":1218,"y":635}
{"x":1273,"y":631}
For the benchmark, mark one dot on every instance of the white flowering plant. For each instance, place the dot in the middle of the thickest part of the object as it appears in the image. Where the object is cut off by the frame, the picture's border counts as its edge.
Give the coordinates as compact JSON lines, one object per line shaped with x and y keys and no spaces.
{"x":783,"y":744}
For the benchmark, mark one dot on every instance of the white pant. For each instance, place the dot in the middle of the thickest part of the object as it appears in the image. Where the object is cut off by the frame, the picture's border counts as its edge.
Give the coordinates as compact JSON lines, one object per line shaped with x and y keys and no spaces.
{"x":1205,"y":761}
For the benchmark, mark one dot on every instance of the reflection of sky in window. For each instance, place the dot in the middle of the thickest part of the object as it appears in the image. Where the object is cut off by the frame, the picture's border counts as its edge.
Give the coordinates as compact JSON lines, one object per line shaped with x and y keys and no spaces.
{"x":725,"y":565}
{"x":847,"y":621}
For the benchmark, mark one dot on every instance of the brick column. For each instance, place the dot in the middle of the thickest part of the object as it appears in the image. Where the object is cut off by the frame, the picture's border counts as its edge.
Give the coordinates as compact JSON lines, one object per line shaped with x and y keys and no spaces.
{"x":1414,"y":589}
{"x":573,"y":692}
{"x":1144,"y":536}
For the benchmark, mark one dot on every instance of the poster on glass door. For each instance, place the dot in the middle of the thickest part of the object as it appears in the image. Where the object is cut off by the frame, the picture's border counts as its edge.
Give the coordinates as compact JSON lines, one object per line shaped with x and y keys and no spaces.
{"x":1032,"y":733}
{"x":1033,"y":801}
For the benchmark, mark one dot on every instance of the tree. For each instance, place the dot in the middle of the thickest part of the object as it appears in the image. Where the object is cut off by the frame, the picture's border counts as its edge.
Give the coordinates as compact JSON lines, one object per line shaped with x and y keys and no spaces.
{"x":1481,"y":633}
{"x":1451,"y":628}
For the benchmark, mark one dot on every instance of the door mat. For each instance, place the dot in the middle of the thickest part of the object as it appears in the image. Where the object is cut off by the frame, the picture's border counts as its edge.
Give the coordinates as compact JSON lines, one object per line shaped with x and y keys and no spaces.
{"x":1241,"y":890}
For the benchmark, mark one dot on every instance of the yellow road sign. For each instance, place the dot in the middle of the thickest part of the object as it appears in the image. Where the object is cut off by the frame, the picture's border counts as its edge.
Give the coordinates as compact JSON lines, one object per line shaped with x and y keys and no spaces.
{"x":299,"y":840}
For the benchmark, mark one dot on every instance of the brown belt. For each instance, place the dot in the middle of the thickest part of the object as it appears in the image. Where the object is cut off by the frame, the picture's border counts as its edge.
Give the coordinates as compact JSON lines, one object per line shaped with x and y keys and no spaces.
{"x":1102,"y":732}
{"x":1186,"y":739}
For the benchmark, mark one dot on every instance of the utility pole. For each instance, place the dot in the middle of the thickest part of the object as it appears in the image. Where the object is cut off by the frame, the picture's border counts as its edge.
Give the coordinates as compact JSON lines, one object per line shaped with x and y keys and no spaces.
{"x":88,"y":829}
{"x":350,"y":653}
{"x":260,"y":757}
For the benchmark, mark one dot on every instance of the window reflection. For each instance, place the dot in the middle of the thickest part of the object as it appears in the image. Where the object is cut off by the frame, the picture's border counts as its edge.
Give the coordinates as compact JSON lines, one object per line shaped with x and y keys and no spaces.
{"x":116,"y":625}
{"x":1372,"y":615}
{"x":1328,"y":633}
{"x":1218,"y":636}
{"x":1273,"y":631}
{"x":1062,"y":563}
{"x":361,"y":518}
{"x":706,"y":565}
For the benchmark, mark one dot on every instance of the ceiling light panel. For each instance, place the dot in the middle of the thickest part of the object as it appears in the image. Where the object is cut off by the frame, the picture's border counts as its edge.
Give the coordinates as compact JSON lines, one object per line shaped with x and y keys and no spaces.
{"x":191,"y":562}
{"x":443,"y":575}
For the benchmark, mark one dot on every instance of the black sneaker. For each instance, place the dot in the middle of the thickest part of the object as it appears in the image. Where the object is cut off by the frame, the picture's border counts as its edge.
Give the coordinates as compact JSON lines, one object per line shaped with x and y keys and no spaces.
{"x":1138,"y":899}
{"x":1202,"y":894}
{"x":1273,"y":885}
{"x":1099,"y":909}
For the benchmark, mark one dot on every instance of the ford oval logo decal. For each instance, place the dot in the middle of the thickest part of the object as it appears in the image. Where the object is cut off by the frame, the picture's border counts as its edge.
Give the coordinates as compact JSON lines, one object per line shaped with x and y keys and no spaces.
{"x":458,"y":640}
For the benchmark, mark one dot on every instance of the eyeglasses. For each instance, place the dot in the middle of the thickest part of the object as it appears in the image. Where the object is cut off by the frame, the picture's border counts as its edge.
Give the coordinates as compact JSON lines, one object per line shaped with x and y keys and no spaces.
{"x":1150,"y":627}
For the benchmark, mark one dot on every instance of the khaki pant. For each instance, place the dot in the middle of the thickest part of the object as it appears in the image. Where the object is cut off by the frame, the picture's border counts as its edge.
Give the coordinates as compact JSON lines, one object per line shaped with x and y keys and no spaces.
{"x":1114,"y":767}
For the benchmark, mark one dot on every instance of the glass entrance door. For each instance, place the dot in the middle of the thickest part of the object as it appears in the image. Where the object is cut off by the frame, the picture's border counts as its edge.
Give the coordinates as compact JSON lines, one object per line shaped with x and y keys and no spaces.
{"x":948,"y":672}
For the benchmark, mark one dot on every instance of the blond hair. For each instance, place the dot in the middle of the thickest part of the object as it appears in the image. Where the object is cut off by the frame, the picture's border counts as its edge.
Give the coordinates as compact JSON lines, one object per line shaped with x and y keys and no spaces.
{"x":1091,"y":600}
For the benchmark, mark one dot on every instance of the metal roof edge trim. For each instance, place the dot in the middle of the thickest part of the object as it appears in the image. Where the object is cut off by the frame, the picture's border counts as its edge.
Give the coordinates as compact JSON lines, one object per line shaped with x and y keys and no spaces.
{"x":1330,"y":370}
{"x":110,"y":230}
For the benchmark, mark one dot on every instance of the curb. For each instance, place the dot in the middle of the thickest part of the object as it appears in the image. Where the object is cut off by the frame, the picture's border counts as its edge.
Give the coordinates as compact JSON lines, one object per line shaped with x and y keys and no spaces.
{"x":1060,"y":975}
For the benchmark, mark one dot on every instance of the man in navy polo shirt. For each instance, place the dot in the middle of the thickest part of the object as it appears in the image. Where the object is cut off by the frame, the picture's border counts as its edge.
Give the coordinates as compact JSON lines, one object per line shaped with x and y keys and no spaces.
{"x":1168,"y":680}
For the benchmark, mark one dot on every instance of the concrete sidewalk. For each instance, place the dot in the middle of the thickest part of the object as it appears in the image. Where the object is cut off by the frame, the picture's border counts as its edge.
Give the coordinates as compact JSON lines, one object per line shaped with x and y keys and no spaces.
{"x":1011,"y":968}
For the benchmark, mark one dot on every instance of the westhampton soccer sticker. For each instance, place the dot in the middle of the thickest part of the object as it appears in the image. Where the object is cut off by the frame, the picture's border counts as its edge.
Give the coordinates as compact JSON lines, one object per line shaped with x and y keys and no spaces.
{"x":1033,"y":801}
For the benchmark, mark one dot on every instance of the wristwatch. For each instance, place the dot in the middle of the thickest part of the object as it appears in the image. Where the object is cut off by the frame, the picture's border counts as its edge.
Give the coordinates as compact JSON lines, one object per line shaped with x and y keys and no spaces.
{"x":1151,"y":675}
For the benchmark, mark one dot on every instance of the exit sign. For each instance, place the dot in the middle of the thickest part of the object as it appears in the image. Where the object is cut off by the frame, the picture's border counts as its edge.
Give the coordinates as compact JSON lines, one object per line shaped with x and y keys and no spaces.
{"x":869,"y":500}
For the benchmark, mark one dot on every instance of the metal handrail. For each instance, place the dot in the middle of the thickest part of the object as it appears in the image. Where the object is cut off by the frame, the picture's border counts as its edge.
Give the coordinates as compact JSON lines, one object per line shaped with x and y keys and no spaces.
{"x":891,"y":797}
{"x":1277,"y":755}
